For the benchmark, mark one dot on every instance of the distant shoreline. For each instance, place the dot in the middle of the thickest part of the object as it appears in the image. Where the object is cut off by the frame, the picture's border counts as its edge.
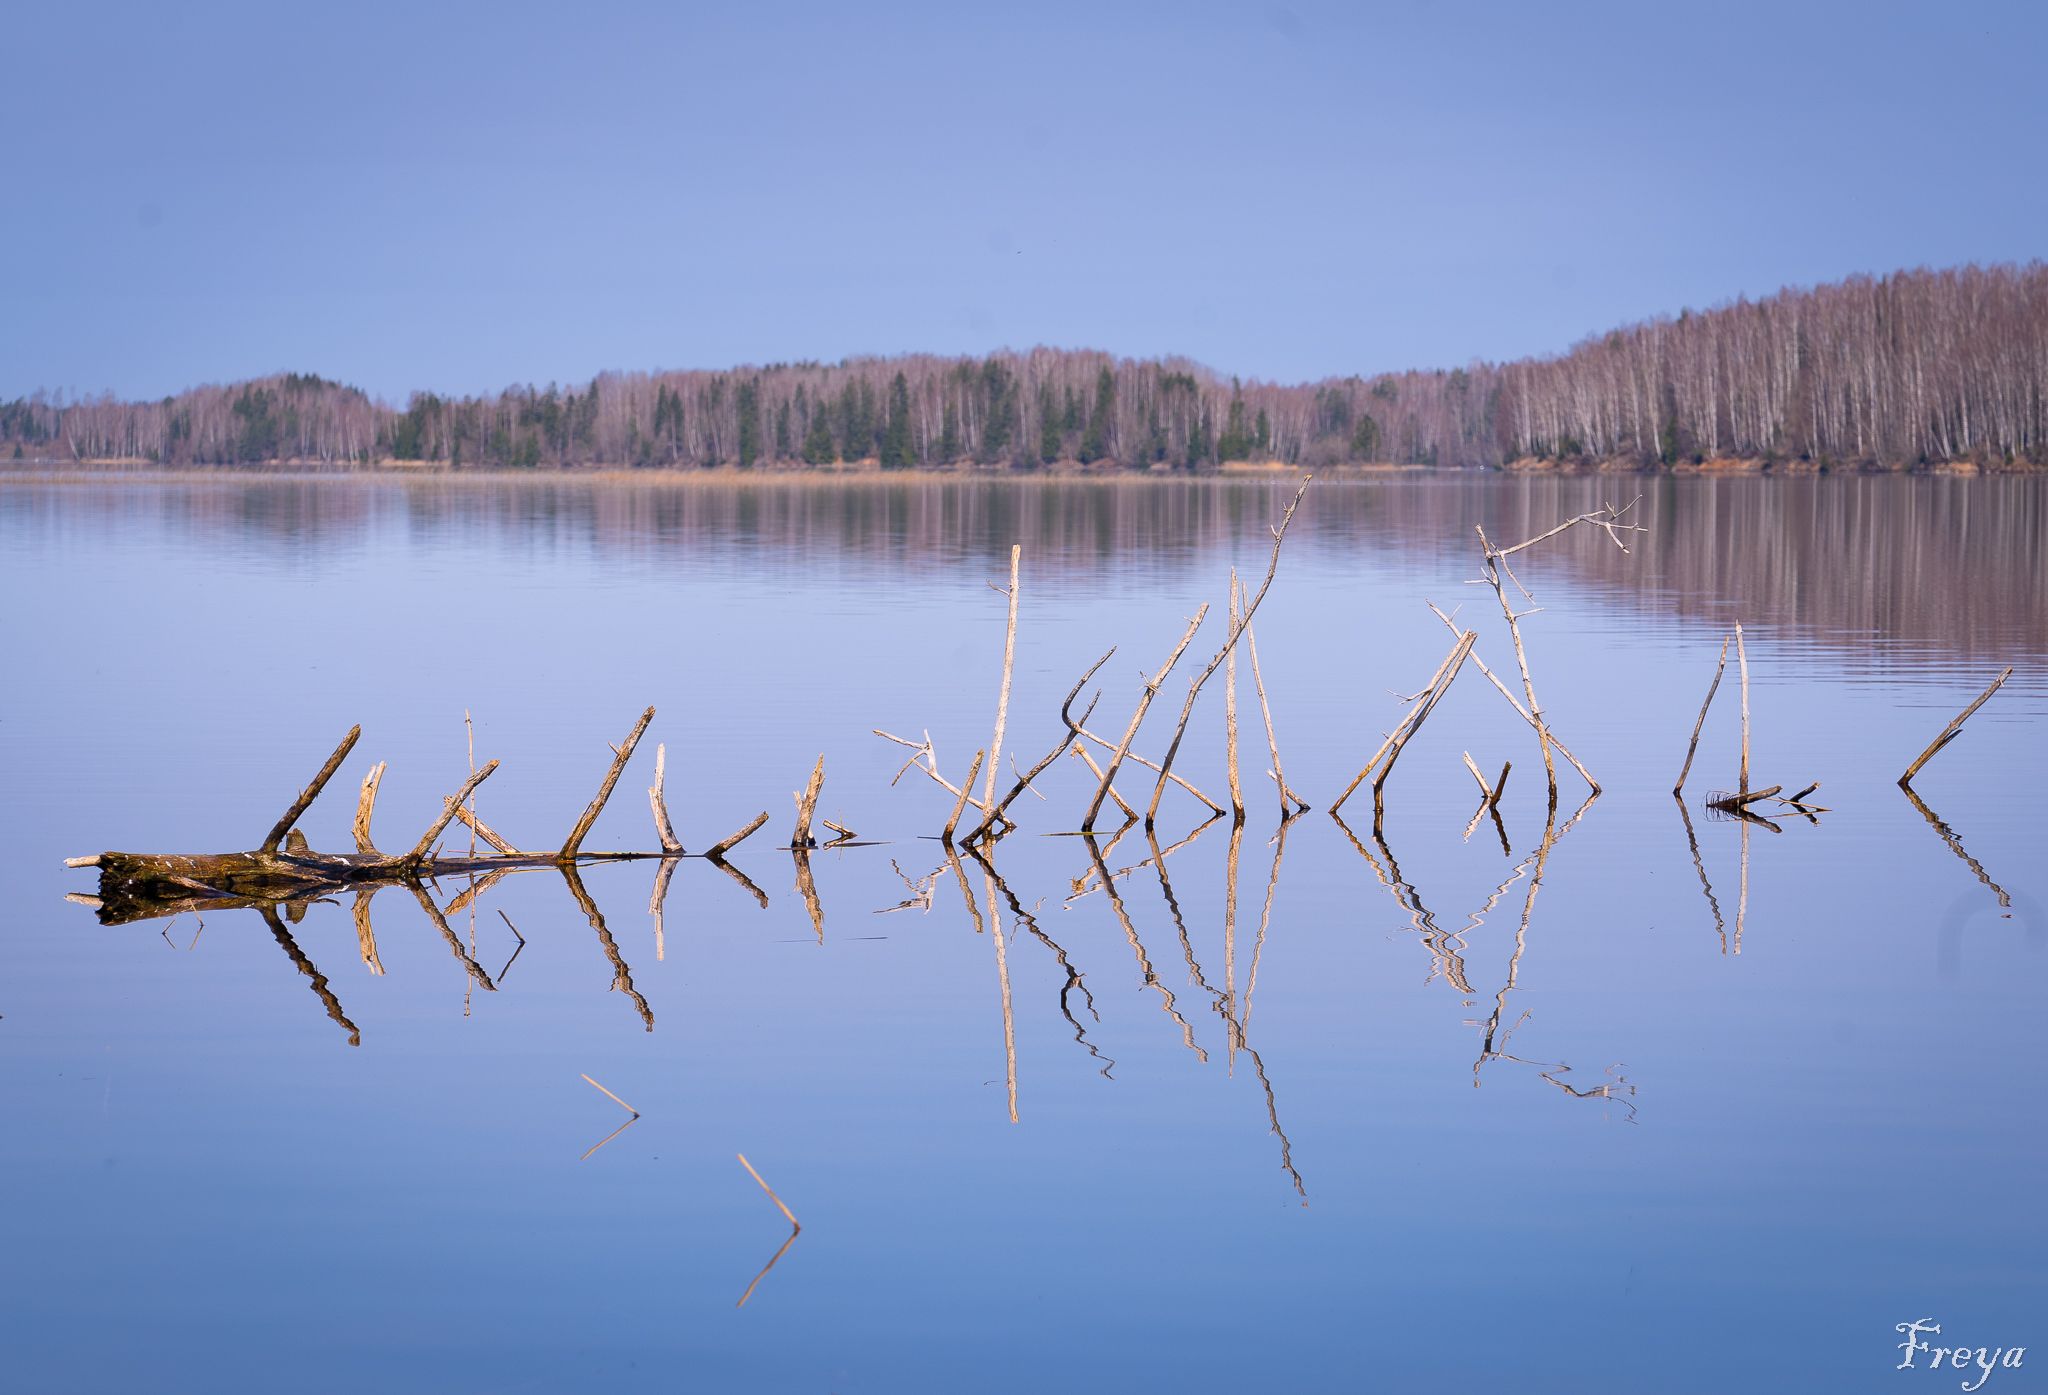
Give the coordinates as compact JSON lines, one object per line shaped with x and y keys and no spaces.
{"x":54,"y":470}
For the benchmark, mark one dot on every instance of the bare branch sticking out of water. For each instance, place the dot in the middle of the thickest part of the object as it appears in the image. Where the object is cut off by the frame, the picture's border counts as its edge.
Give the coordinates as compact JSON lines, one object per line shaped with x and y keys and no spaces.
{"x":1953,"y":729}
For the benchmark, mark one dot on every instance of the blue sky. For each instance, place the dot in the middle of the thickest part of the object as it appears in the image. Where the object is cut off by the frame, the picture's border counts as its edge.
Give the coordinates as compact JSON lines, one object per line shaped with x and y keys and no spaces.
{"x":462,"y":197}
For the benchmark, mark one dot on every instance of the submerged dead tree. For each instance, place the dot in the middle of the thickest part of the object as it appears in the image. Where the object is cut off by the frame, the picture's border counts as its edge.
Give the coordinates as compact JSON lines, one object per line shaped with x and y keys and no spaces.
{"x":283,"y":869}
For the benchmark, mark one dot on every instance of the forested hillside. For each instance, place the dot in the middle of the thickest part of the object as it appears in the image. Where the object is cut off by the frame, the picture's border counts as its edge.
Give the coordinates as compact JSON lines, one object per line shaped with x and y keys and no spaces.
{"x":1909,"y":369}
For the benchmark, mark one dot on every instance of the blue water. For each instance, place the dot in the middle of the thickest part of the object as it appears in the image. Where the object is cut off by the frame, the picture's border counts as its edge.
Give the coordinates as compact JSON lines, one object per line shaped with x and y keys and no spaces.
{"x":1725,"y":1136}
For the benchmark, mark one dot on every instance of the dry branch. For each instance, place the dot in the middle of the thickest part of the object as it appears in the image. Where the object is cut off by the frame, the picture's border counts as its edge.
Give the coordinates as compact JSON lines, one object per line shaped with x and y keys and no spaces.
{"x":1151,"y":691}
{"x":995,"y":745}
{"x":657,"y":797}
{"x":1423,"y":704}
{"x":604,"y":792}
{"x":366,"y":803}
{"x":311,"y":792}
{"x":1953,"y":729}
{"x":717,"y":851}
{"x":807,"y":806}
{"x":1236,"y":628}
{"x":1719,"y":664}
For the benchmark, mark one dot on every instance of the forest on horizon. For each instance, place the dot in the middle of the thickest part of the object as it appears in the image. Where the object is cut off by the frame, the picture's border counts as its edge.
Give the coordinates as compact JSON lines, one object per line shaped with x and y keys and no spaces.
{"x":1915,"y":368}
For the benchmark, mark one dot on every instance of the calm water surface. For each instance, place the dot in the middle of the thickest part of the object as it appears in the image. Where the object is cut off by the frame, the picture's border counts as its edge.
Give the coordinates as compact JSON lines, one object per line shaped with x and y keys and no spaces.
{"x":1333,"y":1111}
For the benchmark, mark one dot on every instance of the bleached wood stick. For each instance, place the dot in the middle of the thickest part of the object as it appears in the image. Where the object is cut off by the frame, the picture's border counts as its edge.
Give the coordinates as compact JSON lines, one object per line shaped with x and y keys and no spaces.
{"x":807,"y":804}
{"x":366,"y":802}
{"x":604,"y":792}
{"x":995,"y":745}
{"x":658,"y":797}
{"x":1742,"y":663}
{"x":449,"y":810}
{"x":732,"y":840}
{"x":1719,"y":664}
{"x":953,"y":820}
{"x":1151,"y":691}
{"x":1953,"y":729}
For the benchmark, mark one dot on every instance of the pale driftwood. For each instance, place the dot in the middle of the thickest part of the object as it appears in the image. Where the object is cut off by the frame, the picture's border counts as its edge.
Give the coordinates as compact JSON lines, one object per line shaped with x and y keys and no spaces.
{"x":1235,"y":628}
{"x":1953,"y":729}
{"x":995,"y":745}
{"x":448,"y":812}
{"x":623,"y":754}
{"x":787,"y":1214}
{"x":717,"y":851}
{"x":1069,"y":727}
{"x":467,"y":817}
{"x":311,"y":792}
{"x":960,"y":804}
{"x":1607,"y":519}
{"x":1490,"y":676}
{"x":366,"y":803}
{"x":1742,"y":663}
{"x":1135,"y":759}
{"x":1287,"y":796}
{"x":1719,"y":664}
{"x":1382,"y":763}
{"x":807,"y":806}
{"x":1080,"y":750}
{"x":930,"y":768}
{"x":658,"y":798}
{"x":1484,"y":788}
{"x":1736,"y":802}
{"x":1230,"y":716}
{"x":610,"y":1096}
{"x":1152,"y":686}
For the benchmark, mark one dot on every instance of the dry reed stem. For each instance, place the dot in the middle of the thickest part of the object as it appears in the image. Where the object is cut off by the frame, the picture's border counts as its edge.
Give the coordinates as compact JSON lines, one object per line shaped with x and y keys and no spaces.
{"x":366,"y":803}
{"x":1397,"y":740}
{"x":1230,"y":707}
{"x":1235,"y":629}
{"x":787,"y":1214}
{"x":1742,"y":663}
{"x":718,"y":850}
{"x":1251,"y":644}
{"x":623,"y":753}
{"x":1151,"y":691}
{"x":960,"y":804}
{"x":995,"y":745}
{"x":1953,"y":729}
{"x":1516,"y":703}
{"x":1081,"y":750}
{"x":312,"y":791}
{"x":1135,"y":759}
{"x":1719,"y":664}
{"x":930,"y":768}
{"x":1484,"y":788}
{"x":657,"y":796}
{"x":467,"y":817}
{"x":448,"y":811}
{"x":610,"y":1096}
{"x":1069,"y":727}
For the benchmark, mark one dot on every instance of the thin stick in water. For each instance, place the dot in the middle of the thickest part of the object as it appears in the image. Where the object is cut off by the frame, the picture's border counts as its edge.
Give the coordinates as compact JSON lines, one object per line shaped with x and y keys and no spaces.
{"x":1719,"y":664}
{"x":995,"y":745}
{"x":612,"y":1097}
{"x":1953,"y":729}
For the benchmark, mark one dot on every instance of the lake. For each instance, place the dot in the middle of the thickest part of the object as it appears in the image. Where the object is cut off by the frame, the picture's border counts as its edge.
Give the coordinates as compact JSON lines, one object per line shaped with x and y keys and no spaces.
{"x":1635,"y":1096}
